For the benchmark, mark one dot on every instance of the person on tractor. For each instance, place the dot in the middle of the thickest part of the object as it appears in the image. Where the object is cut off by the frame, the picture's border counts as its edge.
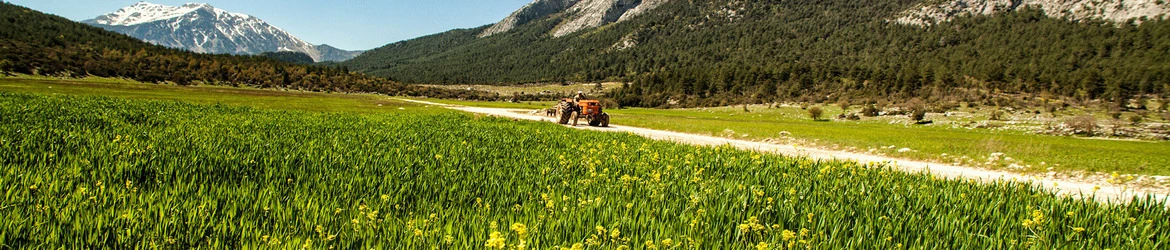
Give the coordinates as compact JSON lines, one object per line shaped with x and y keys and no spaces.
{"x":580,"y":95}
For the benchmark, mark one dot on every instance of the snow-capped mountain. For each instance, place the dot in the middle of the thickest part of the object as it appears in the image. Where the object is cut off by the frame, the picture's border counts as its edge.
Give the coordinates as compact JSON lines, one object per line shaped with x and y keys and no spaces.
{"x":205,"y":29}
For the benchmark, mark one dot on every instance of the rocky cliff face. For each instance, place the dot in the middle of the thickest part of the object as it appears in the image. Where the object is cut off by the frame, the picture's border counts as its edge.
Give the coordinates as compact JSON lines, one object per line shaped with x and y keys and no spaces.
{"x":533,"y":11}
{"x":580,"y":14}
{"x":1112,"y":10}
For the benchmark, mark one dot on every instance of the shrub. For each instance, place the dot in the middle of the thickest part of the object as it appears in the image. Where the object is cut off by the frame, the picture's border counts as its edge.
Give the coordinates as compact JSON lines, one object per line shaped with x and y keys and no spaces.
{"x":815,"y":113}
{"x":918,"y":114}
{"x":844,"y":105}
{"x":610,"y":103}
{"x":997,"y":115}
{"x":1083,"y":125}
{"x":869,"y":110}
{"x":1135,"y":119}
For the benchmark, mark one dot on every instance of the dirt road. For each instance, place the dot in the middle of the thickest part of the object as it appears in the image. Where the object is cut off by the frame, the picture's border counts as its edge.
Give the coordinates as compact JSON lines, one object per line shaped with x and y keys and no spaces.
{"x":1105,"y":193}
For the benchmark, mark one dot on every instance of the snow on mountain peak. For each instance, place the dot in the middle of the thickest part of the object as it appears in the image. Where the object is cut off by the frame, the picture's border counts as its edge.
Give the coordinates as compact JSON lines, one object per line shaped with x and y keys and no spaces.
{"x":145,"y":12}
{"x":202,"y":28}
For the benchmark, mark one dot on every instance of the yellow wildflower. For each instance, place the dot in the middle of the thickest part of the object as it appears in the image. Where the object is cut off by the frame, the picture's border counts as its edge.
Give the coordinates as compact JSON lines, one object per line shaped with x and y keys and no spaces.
{"x":1079,"y":229}
{"x":520,"y":229}
{"x":577,"y":246}
{"x":667,"y":242}
{"x":495,"y":240}
{"x":787,"y":235}
{"x":762,"y":246}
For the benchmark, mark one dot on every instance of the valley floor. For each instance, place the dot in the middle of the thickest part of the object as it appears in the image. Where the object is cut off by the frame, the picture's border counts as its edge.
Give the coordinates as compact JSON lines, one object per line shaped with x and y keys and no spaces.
{"x":105,"y":163}
{"x":1107,"y":192}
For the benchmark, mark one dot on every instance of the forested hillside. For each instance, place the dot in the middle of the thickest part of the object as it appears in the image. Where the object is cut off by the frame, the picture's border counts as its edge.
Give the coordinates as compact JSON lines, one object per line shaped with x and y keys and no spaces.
{"x":723,"y":52}
{"x":36,"y":43}
{"x":289,"y":57}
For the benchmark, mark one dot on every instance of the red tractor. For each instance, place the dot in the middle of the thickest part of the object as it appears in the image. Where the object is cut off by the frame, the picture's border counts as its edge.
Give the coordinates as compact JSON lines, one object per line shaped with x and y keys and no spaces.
{"x":568,"y":110}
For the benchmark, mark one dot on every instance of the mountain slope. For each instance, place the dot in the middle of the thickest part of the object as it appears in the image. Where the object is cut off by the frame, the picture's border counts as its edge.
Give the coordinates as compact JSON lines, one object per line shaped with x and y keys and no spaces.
{"x":580,"y":14}
{"x":203,"y":28}
{"x":1117,"y":11}
{"x":36,"y":43}
{"x":724,"y":51}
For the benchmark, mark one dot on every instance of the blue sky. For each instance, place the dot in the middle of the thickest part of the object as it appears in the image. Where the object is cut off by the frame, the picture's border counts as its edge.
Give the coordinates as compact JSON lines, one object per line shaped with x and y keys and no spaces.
{"x":352,"y":25}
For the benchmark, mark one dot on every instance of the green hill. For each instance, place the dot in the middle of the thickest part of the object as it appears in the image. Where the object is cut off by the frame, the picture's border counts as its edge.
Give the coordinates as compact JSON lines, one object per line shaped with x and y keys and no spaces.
{"x":723,"y":52}
{"x":32,"y":42}
{"x":289,"y":57}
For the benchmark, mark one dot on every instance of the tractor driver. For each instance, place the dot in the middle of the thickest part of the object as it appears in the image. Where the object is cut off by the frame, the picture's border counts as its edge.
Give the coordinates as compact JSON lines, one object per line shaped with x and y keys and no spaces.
{"x":580,"y":95}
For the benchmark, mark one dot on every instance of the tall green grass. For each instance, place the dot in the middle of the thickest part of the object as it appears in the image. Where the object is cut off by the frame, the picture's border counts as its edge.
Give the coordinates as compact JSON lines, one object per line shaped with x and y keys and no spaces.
{"x":95,"y":172}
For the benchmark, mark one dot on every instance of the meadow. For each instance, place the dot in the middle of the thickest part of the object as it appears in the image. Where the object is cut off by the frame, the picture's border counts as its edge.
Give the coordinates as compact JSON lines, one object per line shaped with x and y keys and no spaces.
{"x":86,"y":171}
{"x":203,"y":94}
{"x":950,"y":142}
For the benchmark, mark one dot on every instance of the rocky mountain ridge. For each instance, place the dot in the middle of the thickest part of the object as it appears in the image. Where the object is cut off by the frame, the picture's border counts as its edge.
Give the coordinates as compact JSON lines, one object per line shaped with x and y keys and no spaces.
{"x":202,"y":28}
{"x":580,"y":14}
{"x":932,"y":12}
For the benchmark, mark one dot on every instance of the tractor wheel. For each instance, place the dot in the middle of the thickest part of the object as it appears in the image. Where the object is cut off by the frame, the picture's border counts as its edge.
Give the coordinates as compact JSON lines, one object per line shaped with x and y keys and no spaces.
{"x":595,"y":121}
{"x":564,"y":116}
{"x":576,"y":117}
{"x":604,"y":120}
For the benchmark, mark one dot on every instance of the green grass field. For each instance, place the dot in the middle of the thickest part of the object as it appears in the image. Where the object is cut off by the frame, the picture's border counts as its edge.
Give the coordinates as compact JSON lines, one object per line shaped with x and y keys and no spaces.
{"x":928,"y":142}
{"x":260,"y":98}
{"x":98,"y":172}
{"x":961,"y":145}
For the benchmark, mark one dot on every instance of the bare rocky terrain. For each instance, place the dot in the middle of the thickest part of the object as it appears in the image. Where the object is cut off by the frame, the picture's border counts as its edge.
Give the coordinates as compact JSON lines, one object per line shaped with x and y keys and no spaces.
{"x":1112,"y":10}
